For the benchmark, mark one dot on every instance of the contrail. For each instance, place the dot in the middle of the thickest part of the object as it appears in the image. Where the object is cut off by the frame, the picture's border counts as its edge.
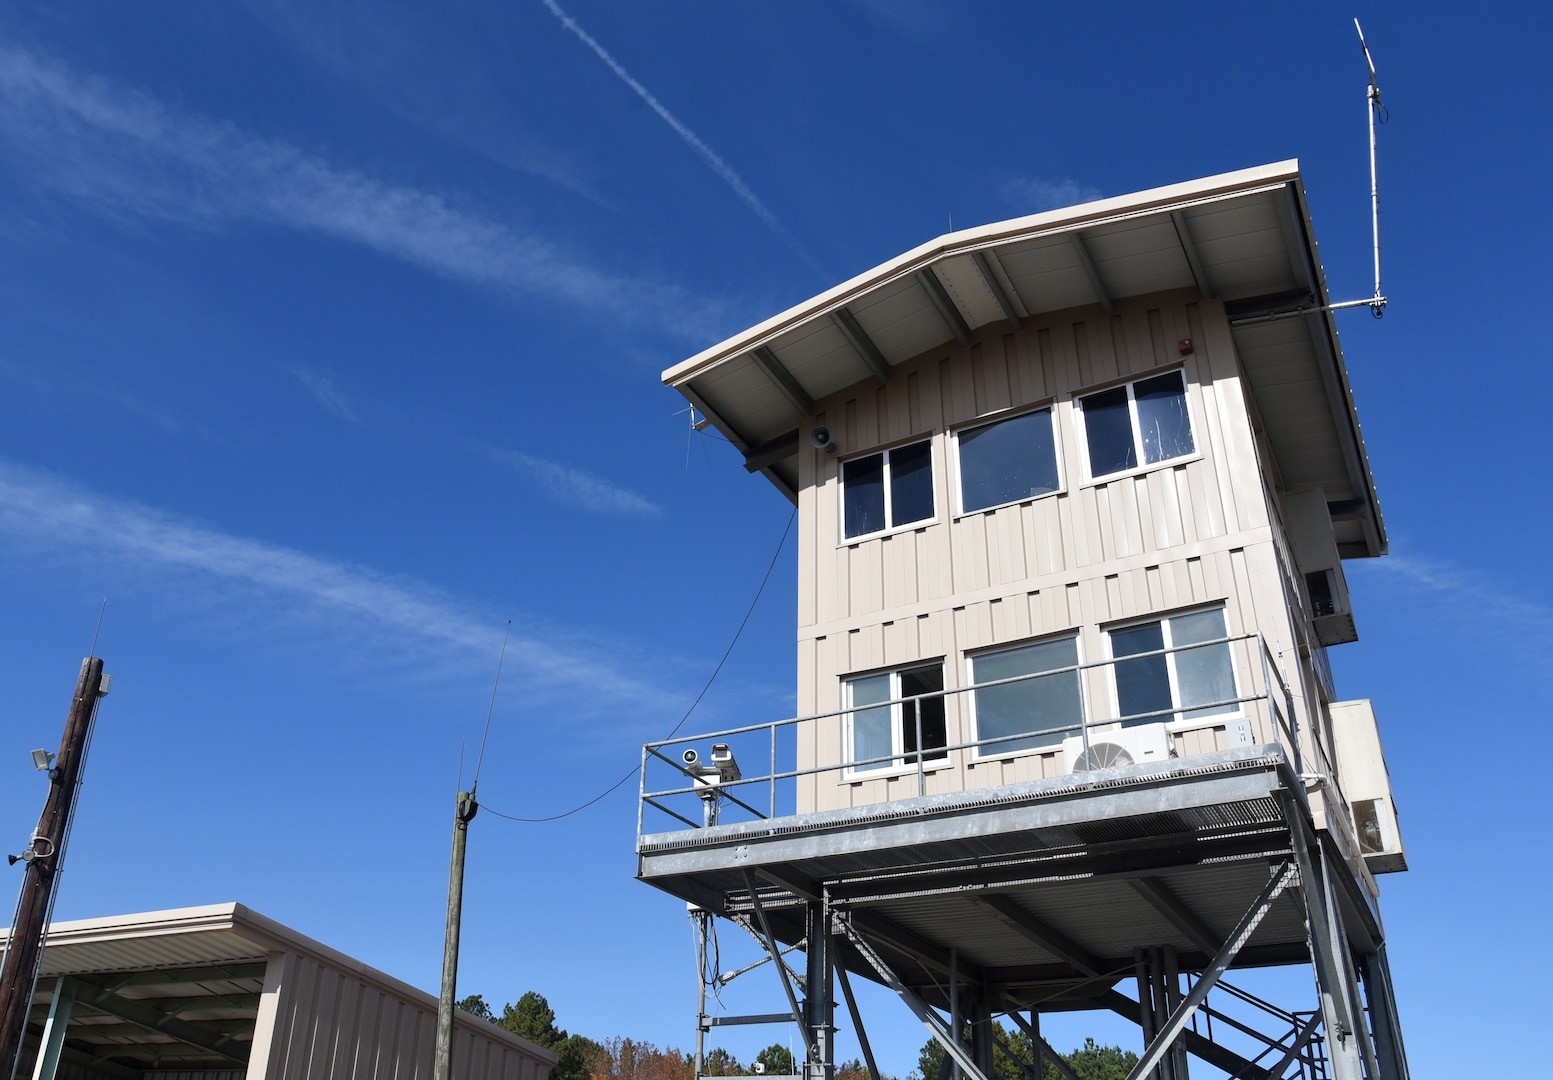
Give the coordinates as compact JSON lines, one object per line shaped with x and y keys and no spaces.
{"x":708,"y":155}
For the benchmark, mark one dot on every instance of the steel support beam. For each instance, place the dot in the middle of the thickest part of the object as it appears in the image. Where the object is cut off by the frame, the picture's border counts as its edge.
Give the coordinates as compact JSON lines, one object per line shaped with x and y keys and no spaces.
{"x":930,"y":1019}
{"x":783,"y":379}
{"x":1282,"y":878}
{"x":771,"y":451}
{"x":54,"y":1028}
{"x":1220,"y":1057}
{"x":946,"y":309}
{"x":1177,"y":913}
{"x":1383,"y":1014}
{"x":769,"y":942}
{"x":1189,"y":249}
{"x":144,"y":1016}
{"x":1028,"y":926}
{"x":820,"y":1001}
{"x":984,"y":261}
{"x":862,"y":344}
{"x":1102,"y":296}
{"x":857,"y":1022}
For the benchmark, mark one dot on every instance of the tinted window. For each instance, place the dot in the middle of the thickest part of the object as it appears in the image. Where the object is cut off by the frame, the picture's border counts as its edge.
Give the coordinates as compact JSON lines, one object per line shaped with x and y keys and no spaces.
{"x":1142,"y":685}
{"x":1162,"y":417}
{"x":1049,"y":705}
{"x":911,"y":483}
{"x":1108,"y":430}
{"x":1004,"y":462}
{"x":862,"y":484}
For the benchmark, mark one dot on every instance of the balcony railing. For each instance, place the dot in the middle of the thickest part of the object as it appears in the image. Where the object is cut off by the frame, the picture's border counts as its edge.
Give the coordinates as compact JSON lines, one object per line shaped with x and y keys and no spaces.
{"x":770,"y":767}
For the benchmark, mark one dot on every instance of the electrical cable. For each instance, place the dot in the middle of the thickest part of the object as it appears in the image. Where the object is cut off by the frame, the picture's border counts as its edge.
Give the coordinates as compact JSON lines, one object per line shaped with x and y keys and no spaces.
{"x":675,"y":729}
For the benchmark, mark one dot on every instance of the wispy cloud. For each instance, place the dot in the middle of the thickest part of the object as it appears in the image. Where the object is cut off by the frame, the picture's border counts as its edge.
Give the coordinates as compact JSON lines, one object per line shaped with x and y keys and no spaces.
{"x":328,"y":394}
{"x":1032,"y":194}
{"x":573,"y":487}
{"x":126,"y":154}
{"x":1481,"y":610}
{"x":278,"y":584}
{"x":712,"y":159}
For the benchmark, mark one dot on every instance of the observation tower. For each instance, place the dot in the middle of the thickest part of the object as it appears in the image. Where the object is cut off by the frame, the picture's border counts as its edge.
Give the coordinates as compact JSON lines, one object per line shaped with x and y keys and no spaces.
{"x":1074,"y":494}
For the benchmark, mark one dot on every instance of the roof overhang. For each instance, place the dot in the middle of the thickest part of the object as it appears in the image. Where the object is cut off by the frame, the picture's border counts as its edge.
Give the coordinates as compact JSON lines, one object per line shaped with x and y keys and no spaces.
{"x":1241,"y":238}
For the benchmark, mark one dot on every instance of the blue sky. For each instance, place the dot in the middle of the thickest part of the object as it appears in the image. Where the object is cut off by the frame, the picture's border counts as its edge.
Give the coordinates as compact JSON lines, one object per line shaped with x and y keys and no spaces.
{"x":332,"y":341}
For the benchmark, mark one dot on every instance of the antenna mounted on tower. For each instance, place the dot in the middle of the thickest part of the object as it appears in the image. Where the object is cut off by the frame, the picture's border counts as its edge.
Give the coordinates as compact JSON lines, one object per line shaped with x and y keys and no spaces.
{"x":1377,"y":112}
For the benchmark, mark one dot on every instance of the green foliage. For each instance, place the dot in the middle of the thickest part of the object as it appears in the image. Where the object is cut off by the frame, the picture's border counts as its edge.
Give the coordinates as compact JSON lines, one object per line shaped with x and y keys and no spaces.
{"x":777,"y":1059}
{"x":1089,"y":1062}
{"x":1095,"y":1062}
{"x":719,"y":1062}
{"x":475,"y":1003}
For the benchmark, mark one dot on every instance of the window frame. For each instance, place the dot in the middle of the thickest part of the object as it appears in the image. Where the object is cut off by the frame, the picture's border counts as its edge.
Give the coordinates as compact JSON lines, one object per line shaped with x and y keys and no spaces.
{"x":934,"y":470}
{"x":1082,"y":427}
{"x":1007,"y":751}
{"x":1176,"y":719}
{"x":958,"y":493}
{"x":902,"y":761}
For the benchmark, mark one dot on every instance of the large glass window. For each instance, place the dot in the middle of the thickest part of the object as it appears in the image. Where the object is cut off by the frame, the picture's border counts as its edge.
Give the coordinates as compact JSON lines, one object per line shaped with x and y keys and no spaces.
{"x":1044,"y":708}
{"x":1173,"y":669}
{"x":1007,"y":461}
{"x":886,"y":490}
{"x":1143,"y":422}
{"x":886,"y":729}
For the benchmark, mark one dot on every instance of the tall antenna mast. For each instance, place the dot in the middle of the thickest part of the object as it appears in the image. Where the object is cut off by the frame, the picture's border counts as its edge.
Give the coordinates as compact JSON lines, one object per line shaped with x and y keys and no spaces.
{"x":1376,"y":112}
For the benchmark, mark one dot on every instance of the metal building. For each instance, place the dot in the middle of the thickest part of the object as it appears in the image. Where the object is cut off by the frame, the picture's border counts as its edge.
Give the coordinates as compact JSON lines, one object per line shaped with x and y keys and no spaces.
{"x":1074,"y":495}
{"x":223,"y":993}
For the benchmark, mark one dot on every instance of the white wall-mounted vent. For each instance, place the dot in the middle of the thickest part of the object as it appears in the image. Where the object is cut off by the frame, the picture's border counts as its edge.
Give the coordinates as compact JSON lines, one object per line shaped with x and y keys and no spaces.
{"x":1113,"y":749}
{"x":1366,"y":785}
{"x":1315,"y":550}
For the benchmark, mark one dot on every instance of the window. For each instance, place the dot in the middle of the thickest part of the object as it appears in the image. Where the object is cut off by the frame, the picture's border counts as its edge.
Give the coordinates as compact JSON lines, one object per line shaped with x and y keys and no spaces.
{"x":886,"y":490}
{"x":889,"y":729}
{"x":1007,"y":461}
{"x":1141,"y":423}
{"x":1174,"y":675}
{"x":1044,"y":709}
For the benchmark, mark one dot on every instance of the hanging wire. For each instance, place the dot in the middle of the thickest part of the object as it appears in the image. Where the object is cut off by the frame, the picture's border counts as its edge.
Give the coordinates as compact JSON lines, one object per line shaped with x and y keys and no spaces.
{"x":675,"y":729}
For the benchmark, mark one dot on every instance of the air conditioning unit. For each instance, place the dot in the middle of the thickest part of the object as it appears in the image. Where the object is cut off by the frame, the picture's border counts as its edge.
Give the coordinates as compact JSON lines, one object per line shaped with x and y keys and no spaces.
{"x":1121,"y":746}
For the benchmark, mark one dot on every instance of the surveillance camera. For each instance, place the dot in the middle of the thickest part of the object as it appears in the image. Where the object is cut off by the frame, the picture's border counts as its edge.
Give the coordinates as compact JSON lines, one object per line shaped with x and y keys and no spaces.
{"x":691,"y":758}
{"x":722,"y":760}
{"x":760,"y":1068}
{"x":820,"y":437}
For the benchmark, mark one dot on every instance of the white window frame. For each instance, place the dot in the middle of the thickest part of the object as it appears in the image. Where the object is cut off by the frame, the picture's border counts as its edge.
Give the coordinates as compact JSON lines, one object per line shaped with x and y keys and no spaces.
{"x":1137,"y":429}
{"x":1176,"y":719}
{"x":1050,"y":408}
{"x":1004,"y":752}
{"x":935,"y":470}
{"x":898,"y":764}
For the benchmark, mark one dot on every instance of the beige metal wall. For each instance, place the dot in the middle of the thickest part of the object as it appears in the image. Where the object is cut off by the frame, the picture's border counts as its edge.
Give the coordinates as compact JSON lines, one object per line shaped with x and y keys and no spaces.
{"x":1177,"y":536}
{"x":318,"y":1020}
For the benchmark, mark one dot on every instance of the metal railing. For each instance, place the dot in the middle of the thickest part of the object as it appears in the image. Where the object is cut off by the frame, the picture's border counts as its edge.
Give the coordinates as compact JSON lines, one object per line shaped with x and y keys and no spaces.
{"x":1267,"y":703}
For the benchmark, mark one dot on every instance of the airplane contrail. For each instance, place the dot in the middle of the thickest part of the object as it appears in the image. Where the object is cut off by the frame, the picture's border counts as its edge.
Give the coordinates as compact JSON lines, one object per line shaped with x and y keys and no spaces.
{"x":706,"y":153}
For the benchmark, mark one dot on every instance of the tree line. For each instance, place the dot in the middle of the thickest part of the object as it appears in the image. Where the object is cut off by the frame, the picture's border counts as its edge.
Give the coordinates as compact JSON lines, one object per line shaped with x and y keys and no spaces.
{"x":620,"y":1058}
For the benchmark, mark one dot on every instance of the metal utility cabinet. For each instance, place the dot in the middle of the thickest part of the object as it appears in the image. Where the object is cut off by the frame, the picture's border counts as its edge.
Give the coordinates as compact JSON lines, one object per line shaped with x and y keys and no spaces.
{"x":1075,"y":493}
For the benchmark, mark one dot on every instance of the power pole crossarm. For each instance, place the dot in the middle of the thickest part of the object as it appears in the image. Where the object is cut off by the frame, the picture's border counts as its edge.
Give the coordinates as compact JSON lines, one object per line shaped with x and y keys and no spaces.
{"x":42,"y":861}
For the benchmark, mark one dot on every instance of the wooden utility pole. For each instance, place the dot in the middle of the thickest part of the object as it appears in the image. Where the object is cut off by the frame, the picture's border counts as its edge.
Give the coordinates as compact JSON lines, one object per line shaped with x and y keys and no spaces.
{"x":463,"y":814}
{"x":42,"y":859}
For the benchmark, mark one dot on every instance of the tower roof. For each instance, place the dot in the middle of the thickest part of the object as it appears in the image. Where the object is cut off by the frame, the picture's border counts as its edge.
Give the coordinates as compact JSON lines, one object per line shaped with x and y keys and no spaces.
{"x":1243,"y":238}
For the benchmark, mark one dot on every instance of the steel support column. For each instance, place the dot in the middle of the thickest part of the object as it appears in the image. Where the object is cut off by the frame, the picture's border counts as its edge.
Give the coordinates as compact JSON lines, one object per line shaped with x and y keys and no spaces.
{"x":820,"y":1002}
{"x":54,"y":1031}
{"x":1376,"y":973}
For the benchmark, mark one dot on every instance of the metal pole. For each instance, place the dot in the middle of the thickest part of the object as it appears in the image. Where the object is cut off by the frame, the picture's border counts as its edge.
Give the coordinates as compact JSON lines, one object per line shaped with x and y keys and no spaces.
{"x":701,"y":919}
{"x":43,"y":859}
{"x":464,"y":811}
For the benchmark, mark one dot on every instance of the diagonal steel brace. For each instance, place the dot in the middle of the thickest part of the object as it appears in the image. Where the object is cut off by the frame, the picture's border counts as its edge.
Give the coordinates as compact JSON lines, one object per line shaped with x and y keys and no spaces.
{"x":771,"y":947}
{"x":1162,"y":1042}
{"x":930,"y":1019}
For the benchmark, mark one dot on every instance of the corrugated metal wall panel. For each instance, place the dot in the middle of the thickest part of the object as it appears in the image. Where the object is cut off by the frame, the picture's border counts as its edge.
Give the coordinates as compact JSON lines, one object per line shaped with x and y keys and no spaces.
{"x":1197,"y":532}
{"x":330,"y":1024}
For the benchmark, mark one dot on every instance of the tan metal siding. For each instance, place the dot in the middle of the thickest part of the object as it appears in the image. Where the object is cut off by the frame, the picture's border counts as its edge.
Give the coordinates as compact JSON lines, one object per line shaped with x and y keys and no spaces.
{"x":318,"y":1022}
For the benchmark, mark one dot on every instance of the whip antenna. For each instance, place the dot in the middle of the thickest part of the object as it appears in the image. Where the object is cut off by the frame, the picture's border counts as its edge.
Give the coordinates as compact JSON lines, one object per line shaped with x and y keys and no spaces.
{"x":1377,"y":112}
